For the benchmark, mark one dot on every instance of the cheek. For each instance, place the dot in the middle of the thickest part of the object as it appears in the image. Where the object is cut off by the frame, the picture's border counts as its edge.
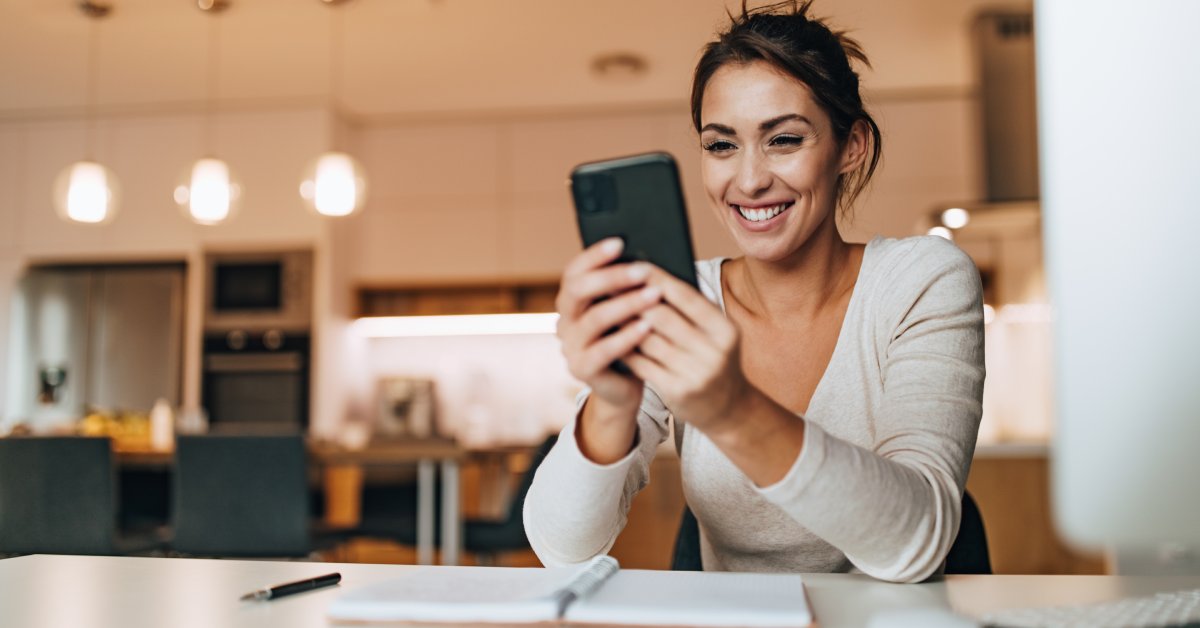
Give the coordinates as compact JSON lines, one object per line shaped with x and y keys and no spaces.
{"x":714,"y":177}
{"x":807,"y":172}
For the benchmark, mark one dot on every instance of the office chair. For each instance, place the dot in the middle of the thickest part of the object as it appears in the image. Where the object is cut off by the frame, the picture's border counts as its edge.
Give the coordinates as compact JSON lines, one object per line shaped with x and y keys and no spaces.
{"x":58,"y":495}
{"x":968,"y":554}
{"x":241,"y":496}
{"x":483,"y":537}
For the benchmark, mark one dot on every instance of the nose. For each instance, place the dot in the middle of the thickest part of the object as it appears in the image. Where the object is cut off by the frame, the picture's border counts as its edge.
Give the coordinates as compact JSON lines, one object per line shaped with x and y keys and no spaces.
{"x":753,"y":176}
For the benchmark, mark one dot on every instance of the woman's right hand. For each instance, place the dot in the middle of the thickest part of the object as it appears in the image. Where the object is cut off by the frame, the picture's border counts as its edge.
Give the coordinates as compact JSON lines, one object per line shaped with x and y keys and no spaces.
{"x":583,"y":328}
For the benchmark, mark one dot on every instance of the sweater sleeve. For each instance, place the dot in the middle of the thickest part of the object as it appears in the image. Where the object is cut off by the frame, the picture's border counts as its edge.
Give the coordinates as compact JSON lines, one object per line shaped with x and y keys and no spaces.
{"x":576,"y":508}
{"x":894,"y":510}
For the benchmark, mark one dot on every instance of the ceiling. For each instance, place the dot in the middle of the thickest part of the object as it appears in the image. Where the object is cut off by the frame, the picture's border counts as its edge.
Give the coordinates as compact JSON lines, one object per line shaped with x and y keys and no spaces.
{"x":418,"y":56}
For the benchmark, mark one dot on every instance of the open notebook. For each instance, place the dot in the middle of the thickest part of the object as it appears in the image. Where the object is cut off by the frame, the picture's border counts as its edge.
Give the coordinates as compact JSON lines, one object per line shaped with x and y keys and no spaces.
{"x":595,"y":593}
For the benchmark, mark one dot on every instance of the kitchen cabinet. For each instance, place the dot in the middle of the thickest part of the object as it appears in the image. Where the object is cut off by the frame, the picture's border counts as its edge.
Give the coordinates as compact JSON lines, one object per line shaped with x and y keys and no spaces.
{"x":479,"y":297}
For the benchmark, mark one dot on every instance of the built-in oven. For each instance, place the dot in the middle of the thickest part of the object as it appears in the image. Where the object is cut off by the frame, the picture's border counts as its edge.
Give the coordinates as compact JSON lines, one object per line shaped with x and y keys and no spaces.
{"x":259,"y":291}
{"x":256,"y":379}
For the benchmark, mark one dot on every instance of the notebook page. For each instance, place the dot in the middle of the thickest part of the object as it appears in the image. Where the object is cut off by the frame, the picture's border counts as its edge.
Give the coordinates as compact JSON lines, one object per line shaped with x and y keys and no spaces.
{"x":458,"y":595}
{"x":691,"y":598}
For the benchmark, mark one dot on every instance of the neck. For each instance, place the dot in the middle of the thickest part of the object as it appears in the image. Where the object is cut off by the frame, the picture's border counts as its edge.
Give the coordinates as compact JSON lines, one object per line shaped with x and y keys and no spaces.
{"x":818,"y":274}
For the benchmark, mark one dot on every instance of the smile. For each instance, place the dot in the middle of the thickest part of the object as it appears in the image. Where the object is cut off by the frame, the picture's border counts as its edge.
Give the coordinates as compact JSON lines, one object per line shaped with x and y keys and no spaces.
{"x":761,"y":214}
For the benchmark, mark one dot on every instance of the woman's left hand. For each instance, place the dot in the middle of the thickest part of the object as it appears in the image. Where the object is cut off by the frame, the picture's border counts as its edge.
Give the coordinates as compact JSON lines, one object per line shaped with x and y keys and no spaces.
{"x":692,"y":355}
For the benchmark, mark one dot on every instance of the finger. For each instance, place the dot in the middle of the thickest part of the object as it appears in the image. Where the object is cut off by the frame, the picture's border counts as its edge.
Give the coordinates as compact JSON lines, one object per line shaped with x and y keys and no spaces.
{"x":647,"y":370}
{"x":612,"y":347}
{"x":594,"y":256}
{"x":680,"y":332}
{"x":581,"y":291}
{"x":659,"y":349}
{"x":688,"y":300}
{"x":605,"y":315}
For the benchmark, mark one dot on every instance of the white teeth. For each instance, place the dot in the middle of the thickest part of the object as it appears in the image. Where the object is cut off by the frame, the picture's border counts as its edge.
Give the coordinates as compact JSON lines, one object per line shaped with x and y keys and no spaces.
{"x":759,"y":215}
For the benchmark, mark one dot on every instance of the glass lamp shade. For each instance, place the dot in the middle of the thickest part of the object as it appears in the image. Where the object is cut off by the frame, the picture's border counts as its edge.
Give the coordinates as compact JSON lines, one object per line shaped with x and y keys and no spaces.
{"x":86,"y":192}
{"x":334,"y":184}
{"x":208,"y":194}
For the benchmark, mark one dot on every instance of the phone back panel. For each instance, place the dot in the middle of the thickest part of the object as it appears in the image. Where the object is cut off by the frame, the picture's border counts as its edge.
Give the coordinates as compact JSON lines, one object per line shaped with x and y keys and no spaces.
{"x":638,"y":199}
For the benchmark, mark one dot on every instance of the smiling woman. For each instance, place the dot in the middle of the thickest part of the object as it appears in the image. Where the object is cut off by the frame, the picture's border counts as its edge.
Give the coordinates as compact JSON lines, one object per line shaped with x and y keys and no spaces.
{"x":829,"y":393}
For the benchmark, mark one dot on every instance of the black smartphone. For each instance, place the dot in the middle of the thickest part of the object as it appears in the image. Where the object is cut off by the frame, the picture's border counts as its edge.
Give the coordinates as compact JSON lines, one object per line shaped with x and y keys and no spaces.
{"x":638,"y":199}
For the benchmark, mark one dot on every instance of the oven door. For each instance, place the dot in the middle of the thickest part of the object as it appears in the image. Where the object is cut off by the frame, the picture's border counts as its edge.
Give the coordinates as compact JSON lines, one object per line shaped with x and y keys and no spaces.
{"x":257,"y":388}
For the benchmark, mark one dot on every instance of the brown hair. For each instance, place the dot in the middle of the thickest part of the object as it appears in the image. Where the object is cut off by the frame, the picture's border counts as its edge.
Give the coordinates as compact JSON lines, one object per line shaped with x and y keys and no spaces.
{"x":783,"y":35}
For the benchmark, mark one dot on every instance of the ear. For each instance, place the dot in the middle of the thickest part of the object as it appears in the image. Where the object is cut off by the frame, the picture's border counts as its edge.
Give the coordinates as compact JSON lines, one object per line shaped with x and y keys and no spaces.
{"x":854,"y":149}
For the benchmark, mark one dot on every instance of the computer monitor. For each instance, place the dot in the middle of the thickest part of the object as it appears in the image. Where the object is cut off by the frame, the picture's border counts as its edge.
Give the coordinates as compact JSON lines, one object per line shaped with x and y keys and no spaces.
{"x":1119,"y":118}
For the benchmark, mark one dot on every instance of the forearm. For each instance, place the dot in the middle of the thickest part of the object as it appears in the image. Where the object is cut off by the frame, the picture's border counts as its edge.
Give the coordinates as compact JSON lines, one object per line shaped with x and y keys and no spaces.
{"x":606,"y":433}
{"x":576,"y":507}
{"x":894,"y":517}
{"x":760,"y":436}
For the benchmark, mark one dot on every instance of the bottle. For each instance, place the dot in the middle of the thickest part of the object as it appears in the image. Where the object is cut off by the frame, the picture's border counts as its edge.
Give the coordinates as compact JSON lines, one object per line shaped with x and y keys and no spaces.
{"x":162,"y":426}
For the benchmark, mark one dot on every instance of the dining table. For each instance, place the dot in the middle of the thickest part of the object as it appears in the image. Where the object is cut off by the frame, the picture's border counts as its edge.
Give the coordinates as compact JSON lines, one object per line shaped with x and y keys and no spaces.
{"x":342,"y":470}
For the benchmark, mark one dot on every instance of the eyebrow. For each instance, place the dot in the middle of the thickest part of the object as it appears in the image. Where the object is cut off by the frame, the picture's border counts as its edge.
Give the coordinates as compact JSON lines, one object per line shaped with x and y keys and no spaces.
{"x":766,"y":125}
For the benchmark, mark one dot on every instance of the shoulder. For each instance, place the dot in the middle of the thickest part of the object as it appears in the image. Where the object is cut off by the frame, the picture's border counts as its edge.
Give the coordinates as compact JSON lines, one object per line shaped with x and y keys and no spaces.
{"x":917,"y":255}
{"x":909,"y":263}
{"x":921,"y":273}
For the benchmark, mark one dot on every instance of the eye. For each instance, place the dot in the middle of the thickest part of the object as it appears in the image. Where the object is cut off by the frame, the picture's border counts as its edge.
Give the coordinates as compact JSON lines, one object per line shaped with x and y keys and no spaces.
{"x":786,"y":140}
{"x":718,"y":146}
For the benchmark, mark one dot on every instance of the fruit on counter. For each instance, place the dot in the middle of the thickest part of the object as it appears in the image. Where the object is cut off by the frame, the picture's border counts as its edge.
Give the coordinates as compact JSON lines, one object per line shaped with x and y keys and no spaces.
{"x":131,"y":429}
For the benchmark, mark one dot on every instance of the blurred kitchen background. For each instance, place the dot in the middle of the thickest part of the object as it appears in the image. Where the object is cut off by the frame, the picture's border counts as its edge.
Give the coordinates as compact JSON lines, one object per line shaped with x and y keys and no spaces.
{"x":465,"y":116}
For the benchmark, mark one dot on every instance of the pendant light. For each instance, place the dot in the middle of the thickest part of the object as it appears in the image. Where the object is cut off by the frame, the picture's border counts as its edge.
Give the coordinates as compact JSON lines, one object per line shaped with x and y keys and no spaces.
{"x":334,"y":184}
{"x":208,"y":192}
{"x":86,"y":191}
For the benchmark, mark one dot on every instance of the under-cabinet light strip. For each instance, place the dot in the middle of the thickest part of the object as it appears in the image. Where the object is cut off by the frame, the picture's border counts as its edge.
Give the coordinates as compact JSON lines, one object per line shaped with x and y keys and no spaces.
{"x":462,"y":325}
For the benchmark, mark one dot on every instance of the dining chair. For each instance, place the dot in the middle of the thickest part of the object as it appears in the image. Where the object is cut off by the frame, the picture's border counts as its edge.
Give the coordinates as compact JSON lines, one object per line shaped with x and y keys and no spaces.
{"x":968,"y":554}
{"x":483,"y":536}
{"x":240,"y":495}
{"x":58,"y":495}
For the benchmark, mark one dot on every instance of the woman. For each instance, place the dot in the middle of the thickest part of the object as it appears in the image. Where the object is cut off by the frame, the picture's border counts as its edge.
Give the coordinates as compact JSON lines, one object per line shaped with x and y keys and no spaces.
{"x":831,"y":392}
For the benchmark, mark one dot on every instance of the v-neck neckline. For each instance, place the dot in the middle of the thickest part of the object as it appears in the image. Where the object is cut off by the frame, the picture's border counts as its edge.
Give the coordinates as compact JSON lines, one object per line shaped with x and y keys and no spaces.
{"x":842,"y":331}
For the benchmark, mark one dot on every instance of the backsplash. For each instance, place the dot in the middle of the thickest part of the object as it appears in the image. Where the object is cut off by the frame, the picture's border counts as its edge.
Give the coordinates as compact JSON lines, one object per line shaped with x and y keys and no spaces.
{"x":490,"y":390}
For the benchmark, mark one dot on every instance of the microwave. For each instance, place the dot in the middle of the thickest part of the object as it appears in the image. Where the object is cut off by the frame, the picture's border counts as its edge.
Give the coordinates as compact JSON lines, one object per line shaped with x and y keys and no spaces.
{"x":259,"y":291}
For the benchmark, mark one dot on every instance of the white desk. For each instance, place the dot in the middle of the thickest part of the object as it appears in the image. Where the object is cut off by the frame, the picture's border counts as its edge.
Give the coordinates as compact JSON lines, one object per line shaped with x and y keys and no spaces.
{"x":74,"y":591}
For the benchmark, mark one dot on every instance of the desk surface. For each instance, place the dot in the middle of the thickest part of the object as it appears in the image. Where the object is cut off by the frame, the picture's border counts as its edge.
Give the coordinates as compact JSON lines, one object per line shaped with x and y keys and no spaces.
{"x":62,"y":591}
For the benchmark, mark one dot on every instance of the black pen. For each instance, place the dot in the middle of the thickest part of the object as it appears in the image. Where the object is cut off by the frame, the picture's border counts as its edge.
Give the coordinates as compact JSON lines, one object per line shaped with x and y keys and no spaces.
{"x":299,"y":586}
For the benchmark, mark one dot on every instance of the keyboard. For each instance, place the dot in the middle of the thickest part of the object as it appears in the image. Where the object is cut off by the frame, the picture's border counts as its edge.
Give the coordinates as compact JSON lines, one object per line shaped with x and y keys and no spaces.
{"x":1180,"y":608}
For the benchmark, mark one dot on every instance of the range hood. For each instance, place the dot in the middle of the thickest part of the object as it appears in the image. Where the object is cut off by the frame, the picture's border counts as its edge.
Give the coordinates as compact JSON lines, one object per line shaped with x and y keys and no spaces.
{"x":1007,"y":129}
{"x":1008,"y":104}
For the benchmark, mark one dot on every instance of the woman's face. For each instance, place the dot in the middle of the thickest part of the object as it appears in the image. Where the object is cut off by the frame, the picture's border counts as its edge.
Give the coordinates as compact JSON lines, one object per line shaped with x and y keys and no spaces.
{"x":770,"y":159}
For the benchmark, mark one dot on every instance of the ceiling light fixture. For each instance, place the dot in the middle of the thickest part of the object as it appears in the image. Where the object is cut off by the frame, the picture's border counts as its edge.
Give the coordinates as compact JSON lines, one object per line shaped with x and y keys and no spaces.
{"x":334,"y":184}
{"x":941,"y":232}
{"x":955,"y":218}
{"x":619,"y":66}
{"x":86,"y":191}
{"x":208,"y":193}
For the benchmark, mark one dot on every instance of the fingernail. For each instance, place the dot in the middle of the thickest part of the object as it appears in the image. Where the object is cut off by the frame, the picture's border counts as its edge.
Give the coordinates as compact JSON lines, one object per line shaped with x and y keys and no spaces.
{"x":643,"y":326}
{"x":651,"y":293}
{"x":639,"y":271}
{"x":612,"y":245}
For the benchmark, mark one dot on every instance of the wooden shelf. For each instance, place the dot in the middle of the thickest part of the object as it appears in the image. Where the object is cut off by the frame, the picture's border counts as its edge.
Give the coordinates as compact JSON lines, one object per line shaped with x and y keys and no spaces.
{"x":467,"y":297}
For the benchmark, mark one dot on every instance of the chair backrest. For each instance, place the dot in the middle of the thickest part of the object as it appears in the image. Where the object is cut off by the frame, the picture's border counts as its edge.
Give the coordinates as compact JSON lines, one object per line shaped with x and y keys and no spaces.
{"x":518,"y":501}
{"x":58,"y":495}
{"x":241,"y":496}
{"x":968,"y":554}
